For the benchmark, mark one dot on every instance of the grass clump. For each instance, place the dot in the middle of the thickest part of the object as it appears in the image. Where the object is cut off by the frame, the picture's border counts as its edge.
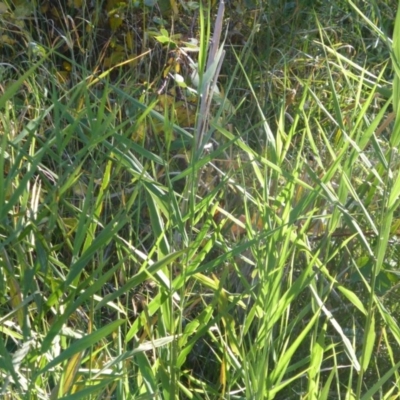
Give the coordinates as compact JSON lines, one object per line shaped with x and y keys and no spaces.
{"x":202,"y":215}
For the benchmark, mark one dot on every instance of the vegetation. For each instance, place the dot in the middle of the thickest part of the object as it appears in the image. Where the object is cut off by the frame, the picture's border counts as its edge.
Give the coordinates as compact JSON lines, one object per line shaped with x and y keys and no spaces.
{"x":199,"y":200}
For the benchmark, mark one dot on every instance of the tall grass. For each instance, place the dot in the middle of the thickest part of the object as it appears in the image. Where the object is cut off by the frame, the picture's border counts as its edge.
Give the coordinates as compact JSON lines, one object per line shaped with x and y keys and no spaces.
{"x":252,"y":255}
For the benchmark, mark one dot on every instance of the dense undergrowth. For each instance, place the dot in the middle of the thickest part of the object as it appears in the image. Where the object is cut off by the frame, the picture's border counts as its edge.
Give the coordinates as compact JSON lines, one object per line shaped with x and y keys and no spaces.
{"x":198,"y":202}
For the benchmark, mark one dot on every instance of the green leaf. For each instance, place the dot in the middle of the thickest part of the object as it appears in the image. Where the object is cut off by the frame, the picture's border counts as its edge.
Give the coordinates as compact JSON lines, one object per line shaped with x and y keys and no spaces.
{"x":370,"y":342}
{"x":81,"y":345}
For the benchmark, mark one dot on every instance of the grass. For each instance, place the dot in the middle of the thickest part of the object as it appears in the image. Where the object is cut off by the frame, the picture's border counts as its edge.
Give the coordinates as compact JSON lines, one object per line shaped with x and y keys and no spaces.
{"x":161,"y":240}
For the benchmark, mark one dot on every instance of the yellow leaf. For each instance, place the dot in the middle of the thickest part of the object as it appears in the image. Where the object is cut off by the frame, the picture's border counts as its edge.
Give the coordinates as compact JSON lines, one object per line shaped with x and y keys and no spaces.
{"x":395,"y":228}
{"x":138,"y":135}
{"x":5,"y":39}
{"x":174,"y":7}
{"x":113,"y":4}
{"x":67,"y":66}
{"x":62,"y":76}
{"x":166,"y":71}
{"x":16,"y":298}
{"x":70,"y":372}
{"x":115,"y":22}
{"x":44,"y":8}
{"x":115,"y":58}
{"x":115,"y":10}
{"x":55,"y":12}
{"x":338,"y":136}
{"x":129,"y":41}
{"x":76,"y":3}
{"x":70,"y":223}
{"x":222,"y":374}
{"x":165,"y":101}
